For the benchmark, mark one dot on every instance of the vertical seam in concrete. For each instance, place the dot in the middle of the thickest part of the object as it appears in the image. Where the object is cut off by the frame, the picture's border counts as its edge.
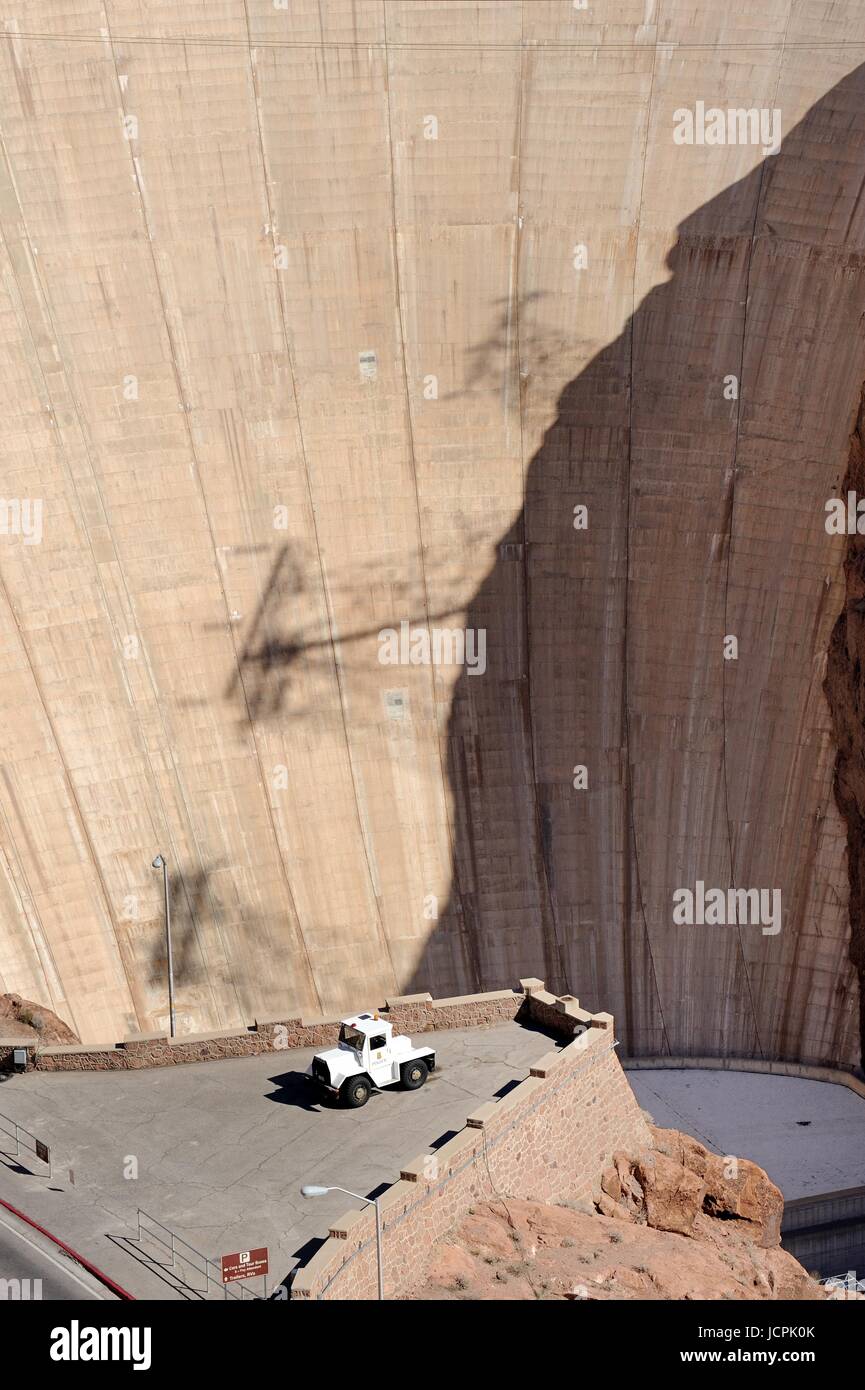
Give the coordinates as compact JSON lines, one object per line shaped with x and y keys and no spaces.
{"x":455,"y":883}
{"x":178,"y":378}
{"x":142,"y":1013}
{"x":527,"y":628}
{"x":30,"y":917}
{"x":739,"y":404}
{"x":73,"y":796}
{"x":98,"y":579}
{"x":629,"y":803}
{"x":331,"y":625}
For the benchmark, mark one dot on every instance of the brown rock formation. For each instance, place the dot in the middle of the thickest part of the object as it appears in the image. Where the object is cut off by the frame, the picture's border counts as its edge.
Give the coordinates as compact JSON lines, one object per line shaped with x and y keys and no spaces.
{"x":680,"y":1177}
{"x":686,"y":1224}
{"x":673,"y":1194}
{"x":25,"y":1019}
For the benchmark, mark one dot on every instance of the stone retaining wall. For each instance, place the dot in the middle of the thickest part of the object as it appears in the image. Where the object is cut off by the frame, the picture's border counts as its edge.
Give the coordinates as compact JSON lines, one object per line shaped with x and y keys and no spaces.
{"x":8,"y":1046}
{"x":410,"y":1013}
{"x":548,"y":1138}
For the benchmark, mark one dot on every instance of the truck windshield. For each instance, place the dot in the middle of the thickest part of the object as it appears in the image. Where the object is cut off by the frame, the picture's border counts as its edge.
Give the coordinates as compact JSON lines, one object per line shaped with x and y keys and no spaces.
{"x":351,"y":1037}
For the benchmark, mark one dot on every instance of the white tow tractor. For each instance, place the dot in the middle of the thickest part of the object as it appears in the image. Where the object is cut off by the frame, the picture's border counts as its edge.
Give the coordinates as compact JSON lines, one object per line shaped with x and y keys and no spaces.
{"x":368,"y":1057}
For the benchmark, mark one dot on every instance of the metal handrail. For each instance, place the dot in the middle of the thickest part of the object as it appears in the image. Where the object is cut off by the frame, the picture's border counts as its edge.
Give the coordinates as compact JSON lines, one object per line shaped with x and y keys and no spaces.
{"x":174,"y":1240}
{"x":16,"y":1132}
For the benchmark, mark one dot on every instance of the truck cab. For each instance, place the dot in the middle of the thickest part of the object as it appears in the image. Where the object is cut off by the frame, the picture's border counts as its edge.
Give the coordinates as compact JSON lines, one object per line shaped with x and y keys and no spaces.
{"x":368,"y":1057}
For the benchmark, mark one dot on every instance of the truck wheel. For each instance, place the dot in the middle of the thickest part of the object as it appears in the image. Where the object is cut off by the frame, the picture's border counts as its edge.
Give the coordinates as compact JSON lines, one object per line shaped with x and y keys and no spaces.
{"x":414,"y":1074}
{"x":356,"y":1092}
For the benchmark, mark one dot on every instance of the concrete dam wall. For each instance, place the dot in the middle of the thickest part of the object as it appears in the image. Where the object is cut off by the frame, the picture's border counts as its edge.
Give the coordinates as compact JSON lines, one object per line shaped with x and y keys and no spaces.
{"x":418,"y":424}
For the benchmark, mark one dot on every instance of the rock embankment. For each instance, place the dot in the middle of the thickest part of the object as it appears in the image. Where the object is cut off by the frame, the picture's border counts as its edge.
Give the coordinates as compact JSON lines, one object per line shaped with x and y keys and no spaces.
{"x":670,"y":1222}
{"x":26,"y":1019}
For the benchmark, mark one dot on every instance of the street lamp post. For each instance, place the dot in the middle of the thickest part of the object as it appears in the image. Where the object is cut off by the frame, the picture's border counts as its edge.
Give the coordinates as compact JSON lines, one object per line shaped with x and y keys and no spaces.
{"x":159,"y":863}
{"x":311,"y":1190}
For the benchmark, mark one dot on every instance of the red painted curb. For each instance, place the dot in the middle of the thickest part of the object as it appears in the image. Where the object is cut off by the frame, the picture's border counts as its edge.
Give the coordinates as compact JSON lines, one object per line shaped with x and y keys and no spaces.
{"x":93,"y":1269}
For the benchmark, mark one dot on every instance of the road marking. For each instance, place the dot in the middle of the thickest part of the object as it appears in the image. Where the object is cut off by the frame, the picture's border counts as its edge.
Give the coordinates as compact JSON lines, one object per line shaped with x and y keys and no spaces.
{"x":44,"y":1254}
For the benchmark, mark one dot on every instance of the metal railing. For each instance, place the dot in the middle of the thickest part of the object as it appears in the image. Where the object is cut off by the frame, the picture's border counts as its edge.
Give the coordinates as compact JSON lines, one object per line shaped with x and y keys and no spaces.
{"x":826,"y":1232}
{"x":30,"y":1142}
{"x":201,"y":1265}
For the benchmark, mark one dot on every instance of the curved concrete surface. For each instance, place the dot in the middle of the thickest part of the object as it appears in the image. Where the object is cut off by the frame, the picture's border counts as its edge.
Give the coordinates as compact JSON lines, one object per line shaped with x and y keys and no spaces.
{"x":323,"y":319}
{"x":808,"y":1135}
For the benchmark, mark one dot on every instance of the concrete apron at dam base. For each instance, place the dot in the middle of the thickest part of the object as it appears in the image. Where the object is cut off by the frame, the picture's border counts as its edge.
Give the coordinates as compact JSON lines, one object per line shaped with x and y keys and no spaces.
{"x":808,"y":1134}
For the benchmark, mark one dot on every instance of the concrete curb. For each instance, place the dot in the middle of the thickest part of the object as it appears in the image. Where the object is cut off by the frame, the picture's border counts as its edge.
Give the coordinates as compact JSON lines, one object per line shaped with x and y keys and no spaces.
{"x":109,"y":1283}
{"x":803,"y":1070}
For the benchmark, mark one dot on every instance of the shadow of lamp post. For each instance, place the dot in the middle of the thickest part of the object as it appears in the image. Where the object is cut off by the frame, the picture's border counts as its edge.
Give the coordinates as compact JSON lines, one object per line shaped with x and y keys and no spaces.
{"x":160,"y":863}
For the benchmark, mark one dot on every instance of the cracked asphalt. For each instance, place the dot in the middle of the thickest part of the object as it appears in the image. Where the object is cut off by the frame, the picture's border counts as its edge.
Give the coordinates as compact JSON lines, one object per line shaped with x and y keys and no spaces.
{"x":217,"y":1151}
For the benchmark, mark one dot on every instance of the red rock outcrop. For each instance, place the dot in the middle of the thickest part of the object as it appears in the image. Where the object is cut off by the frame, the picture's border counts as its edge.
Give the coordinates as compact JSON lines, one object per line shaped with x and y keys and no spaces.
{"x":25,"y":1019}
{"x":679,"y":1178}
{"x":672,"y":1222}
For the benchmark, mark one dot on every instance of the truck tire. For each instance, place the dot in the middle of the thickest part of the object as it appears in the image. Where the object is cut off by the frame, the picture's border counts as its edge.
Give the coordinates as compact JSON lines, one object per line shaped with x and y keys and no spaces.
{"x":414,"y":1074}
{"x":356,"y":1092}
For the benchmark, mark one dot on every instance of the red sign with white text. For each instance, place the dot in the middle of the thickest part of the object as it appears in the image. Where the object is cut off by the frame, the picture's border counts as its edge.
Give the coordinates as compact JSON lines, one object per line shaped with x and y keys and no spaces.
{"x":244,"y":1265}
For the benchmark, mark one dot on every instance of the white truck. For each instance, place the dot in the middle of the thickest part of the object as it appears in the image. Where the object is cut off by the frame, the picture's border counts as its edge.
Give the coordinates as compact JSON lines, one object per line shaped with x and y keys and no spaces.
{"x":368,"y":1057}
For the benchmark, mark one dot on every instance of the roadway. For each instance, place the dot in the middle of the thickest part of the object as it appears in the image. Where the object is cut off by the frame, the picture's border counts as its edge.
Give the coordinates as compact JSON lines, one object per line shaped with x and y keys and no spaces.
{"x":33,"y":1268}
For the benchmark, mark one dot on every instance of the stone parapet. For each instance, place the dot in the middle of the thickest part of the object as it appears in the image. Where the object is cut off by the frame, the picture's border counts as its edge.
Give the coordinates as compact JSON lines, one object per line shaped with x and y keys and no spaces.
{"x":411,"y":1013}
{"x":549,"y":1138}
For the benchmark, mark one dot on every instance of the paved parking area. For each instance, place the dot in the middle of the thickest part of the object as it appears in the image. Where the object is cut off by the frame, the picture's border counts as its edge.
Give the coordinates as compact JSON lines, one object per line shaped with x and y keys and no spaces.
{"x":218,"y":1150}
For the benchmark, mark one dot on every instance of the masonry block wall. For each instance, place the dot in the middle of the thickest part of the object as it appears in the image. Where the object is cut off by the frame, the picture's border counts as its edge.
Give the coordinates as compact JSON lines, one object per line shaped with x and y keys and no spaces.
{"x":410,"y":1013}
{"x":548,"y":1138}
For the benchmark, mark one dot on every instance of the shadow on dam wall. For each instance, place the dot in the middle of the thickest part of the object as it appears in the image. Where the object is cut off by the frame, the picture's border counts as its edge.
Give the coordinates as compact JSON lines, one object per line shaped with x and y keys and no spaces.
{"x":604,"y":645}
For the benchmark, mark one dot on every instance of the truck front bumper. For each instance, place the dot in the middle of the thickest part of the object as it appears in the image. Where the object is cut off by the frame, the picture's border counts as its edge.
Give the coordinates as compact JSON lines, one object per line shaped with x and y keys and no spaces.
{"x":320,"y":1085}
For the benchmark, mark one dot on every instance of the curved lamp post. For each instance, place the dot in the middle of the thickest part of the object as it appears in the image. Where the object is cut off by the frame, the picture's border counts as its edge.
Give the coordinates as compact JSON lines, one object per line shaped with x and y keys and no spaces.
{"x":311,"y":1190}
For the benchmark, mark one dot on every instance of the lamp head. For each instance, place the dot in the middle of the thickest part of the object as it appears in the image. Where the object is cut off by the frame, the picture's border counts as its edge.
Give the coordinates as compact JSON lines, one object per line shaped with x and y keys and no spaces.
{"x":311,"y":1190}
{"x":158,"y":863}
